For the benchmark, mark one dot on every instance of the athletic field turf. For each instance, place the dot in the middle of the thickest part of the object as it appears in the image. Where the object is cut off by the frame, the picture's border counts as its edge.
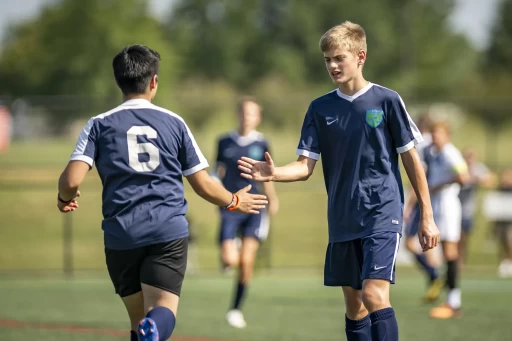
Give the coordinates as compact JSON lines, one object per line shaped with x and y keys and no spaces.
{"x":281,"y":307}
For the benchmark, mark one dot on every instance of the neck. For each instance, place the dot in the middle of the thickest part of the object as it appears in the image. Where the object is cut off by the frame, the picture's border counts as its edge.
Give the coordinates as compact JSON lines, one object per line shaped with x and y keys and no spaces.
{"x":243,"y":131}
{"x":146,"y":96}
{"x":351,"y":87}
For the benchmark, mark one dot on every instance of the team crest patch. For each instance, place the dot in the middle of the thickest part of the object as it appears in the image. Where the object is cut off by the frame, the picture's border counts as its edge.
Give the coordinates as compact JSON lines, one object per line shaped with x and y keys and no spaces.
{"x":374,"y":117}
{"x":256,"y":153}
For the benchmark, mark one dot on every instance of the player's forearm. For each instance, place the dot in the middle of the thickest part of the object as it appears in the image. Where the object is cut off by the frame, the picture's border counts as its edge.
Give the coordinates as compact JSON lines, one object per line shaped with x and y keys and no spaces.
{"x":416,"y":174}
{"x":67,"y":187}
{"x":294,"y":171}
{"x":210,"y":190}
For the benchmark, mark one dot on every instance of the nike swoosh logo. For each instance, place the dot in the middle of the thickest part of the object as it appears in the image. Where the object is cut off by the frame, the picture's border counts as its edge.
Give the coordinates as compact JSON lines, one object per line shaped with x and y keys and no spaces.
{"x":331,"y":122}
{"x":380,"y":267}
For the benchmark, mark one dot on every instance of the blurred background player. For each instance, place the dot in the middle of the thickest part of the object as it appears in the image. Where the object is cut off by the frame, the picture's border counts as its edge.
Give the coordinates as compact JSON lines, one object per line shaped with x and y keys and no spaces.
{"x":503,"y":225}
{"x":479,"y":176}
{"x":426,"y":260}
{"x":446,"y":171}
{"x":252,"y":229}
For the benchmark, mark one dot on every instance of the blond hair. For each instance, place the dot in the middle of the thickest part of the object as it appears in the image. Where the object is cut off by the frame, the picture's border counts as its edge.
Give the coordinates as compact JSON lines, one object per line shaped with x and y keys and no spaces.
{"x":444,"y":125}
{"x":246,"y":99}
{"x":348,"y":35}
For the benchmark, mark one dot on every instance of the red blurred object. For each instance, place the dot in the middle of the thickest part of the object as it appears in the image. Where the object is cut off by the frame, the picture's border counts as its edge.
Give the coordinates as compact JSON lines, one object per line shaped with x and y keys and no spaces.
{"x":5,"y":129}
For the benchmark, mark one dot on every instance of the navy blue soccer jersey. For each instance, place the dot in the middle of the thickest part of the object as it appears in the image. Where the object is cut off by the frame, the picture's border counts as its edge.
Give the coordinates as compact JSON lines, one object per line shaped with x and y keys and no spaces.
{"x":141,"y":152}
{"x":230,"y":149}
{"x":359,"y":138}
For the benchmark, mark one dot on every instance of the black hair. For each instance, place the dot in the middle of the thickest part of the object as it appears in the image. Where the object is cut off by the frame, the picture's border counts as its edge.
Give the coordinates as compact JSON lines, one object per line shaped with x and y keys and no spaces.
{"x":134,"y":67}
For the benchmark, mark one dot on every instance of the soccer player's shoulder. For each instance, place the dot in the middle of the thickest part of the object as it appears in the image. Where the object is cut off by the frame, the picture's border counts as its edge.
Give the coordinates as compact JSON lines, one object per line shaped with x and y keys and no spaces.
{"x":385,"y":94}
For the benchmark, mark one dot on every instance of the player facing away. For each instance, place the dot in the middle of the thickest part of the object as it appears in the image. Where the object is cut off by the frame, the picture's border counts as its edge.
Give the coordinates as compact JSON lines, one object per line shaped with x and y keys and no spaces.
{"x":446,"y":171}
{"x":252,"y":228}
{"x":141,"y":152}
{"x":360,"y":129}
{"x":426,"y":260}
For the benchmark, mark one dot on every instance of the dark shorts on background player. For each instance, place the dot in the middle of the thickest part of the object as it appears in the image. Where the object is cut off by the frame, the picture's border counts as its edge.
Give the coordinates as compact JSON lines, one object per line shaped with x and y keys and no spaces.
{"x":235,"y":224}
{"x":160,"y":265}
{"x":467,"y":224}
{"x":411,"y":228}
{"x":349,"y":263}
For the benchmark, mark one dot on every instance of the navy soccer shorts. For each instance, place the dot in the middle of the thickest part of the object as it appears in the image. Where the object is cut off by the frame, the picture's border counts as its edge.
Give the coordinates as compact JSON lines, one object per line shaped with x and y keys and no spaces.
{"x":236,"y":224}
{"x":467,"y":224}
{"x":349,"y":263}
{"x":160,"y":265}
{"x":411,"y":228}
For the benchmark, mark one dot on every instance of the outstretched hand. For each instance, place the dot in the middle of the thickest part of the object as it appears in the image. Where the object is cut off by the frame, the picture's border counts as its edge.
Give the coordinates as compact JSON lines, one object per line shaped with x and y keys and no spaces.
{"x":261,"y":171}
{"x":250,"y":203}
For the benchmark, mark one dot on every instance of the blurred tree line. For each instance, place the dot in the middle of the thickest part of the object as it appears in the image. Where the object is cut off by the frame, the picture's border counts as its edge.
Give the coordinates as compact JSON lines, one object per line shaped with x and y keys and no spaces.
{"x":214,"y":50}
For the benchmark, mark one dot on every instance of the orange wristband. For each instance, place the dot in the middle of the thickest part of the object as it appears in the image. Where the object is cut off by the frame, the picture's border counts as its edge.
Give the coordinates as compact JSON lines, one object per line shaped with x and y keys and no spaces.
{"x":237,"y":203}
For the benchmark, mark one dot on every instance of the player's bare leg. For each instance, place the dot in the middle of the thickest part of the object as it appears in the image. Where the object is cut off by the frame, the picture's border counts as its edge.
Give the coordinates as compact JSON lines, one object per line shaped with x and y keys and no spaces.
{"x":452,"y":307}
{"x":247,"y":259}
{"x":230,"y":254}
{"x":135,"y":307}
{"x":357,"y":320}
{"x":375,"y":296}
{"x":161,"y":308}
{"x":429,"y":264}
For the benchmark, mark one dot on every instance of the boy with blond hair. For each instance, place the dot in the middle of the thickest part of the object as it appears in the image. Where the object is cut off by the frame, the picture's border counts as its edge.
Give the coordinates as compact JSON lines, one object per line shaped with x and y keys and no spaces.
{"x":359,"y":128}
{"x":446,"y":172}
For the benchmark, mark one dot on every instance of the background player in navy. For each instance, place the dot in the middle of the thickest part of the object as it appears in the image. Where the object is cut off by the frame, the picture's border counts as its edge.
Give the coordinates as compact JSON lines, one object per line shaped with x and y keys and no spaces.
{"x":426,"y":260}
{"x":142,"y":152}
{"x":252,"y":228}
{"x":359,"y":129}
{"x":479,"y":176}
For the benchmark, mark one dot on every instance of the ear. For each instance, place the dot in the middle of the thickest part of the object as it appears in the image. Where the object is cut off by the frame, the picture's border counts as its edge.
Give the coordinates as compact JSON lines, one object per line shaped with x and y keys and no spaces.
{"x":361,"y":57}
{"x":154,"y":82}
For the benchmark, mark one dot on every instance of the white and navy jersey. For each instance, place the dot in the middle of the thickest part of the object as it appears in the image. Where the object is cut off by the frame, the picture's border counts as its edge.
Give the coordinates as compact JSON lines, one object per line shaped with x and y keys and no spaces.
{"x":442,"y":167}
{"x":359,"y":138}
{"x":230,"y":149}
{"x":141,"y":152}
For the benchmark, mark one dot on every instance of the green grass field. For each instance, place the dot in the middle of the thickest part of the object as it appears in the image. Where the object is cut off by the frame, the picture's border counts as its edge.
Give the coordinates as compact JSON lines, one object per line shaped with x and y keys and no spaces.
{"x":291,"y":305}
{"x":284,"y":307}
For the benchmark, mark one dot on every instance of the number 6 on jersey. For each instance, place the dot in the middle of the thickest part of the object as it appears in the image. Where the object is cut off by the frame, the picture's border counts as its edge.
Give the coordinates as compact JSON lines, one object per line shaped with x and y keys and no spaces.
{"x":135,"y":148}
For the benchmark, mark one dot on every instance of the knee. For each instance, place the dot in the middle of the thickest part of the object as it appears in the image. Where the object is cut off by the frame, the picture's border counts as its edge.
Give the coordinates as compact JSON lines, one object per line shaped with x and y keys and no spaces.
{"x":230,"y":258}
{"x":355,"y":309}
{"x":375,"y":297}
{"x":451,"y":251}
{"x":410,"y":244}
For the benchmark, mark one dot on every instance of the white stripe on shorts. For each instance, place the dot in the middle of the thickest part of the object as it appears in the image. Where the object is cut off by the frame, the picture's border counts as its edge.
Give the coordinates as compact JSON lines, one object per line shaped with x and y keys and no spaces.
{"x":394,"y":257}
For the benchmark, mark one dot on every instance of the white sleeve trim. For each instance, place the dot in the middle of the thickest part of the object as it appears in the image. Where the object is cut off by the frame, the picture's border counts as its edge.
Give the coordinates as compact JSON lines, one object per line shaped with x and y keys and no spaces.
{"x":81,"y":157}
{"x":308,"y":154}
{"x":202,"y":165}
{"x":409,"y":145}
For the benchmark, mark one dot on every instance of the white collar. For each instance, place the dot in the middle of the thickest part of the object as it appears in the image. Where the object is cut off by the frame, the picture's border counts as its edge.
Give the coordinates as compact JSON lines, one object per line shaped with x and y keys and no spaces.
{"x":356,"y":95}
{"x":246,"y":140}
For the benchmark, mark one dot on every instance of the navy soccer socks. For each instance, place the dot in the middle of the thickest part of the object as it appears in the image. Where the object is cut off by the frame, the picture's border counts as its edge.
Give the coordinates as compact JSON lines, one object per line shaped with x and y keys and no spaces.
{"x":384,"y":325}
{"x":133,"y":336}
{"x":158,"y":325}
{"x":358,"y":330}
{"x":422,"y":261}
{"x":239,"y":297}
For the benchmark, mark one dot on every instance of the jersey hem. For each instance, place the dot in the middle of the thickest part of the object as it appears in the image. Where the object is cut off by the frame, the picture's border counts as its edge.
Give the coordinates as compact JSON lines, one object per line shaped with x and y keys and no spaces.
{"x":195,"y":169}
{"x":308,"y":154}
{"x":80,"y":157}
{"x":146,"y":243}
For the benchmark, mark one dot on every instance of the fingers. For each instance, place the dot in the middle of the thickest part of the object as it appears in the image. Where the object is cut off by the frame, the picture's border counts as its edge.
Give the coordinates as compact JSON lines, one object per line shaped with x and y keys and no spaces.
{"x":247,"y":176}
{"x":259,"y":197}
{"x":244,"y":164}
{"x":421,"y":238}
{"x":269,"y":159}
{"x":244,"y":169}
{"x":247,"y":160}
